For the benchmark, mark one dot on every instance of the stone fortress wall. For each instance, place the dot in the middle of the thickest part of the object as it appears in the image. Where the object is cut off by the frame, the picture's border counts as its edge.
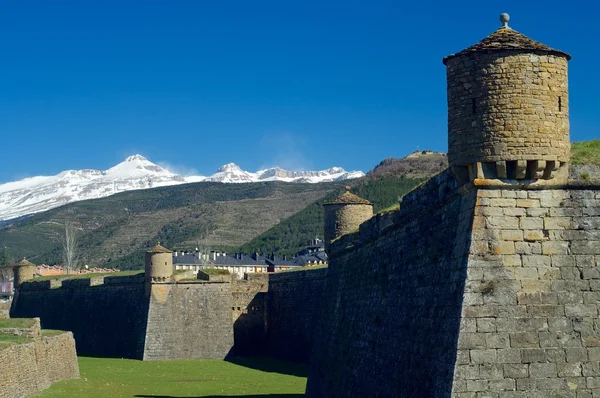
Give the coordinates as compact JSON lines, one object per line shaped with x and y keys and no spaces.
{"x":392,"y":306}
{"x":107,"y":315}
{"x":532,"y":297}
{"x":31,"y":367}
{"x":466,"y":291}
{"x":483,"y":284}
{"x":486,"y":282}
{"x":115,"y":316}
{"x":294,"y":300}
{"x":125,"y":317}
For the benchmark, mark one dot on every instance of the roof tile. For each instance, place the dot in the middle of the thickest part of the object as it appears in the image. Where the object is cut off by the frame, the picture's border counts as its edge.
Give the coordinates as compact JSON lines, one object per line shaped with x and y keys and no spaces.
{"x":507,"y":39}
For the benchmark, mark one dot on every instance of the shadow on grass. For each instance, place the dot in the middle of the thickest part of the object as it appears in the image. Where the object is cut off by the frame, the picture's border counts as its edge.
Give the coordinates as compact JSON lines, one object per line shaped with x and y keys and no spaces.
{"x":224,"y":396}
{"x":270,"y":365}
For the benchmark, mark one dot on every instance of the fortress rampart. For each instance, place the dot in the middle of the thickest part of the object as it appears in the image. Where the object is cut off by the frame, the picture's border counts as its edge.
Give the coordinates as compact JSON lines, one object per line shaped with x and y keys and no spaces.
{"x":490,"y":291}
{"x":28,"y":368}
{"x":126,"y":316}
{"x":485,"y":282}
{"x":392,"y":306}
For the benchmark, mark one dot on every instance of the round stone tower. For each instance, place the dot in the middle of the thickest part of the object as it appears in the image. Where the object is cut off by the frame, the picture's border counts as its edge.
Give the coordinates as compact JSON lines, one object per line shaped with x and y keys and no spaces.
{"x":508,"y":108}
{"x":159,"y":264}
{"x":23,"y":271}
{"x":344,"y":214}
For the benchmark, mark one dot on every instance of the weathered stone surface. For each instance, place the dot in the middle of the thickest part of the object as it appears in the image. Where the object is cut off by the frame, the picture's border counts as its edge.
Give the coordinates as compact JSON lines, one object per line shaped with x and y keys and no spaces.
{"x":111,"y":318}
{"x":528,"y":319}
{"x":189,"y":321}
{"x":26,"y":369}
{"x":391,"y":312}
{"x":513,"y":107}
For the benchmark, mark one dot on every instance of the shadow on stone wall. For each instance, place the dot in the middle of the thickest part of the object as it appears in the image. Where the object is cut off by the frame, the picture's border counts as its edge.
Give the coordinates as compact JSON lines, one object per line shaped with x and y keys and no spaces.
{"x":249,"y":329}
{"x":392,"y":307}
{"x":108,"y":320}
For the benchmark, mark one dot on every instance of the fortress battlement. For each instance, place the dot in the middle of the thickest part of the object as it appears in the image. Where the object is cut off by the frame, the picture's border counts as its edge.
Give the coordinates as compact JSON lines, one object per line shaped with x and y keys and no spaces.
{"x":436,"y":192}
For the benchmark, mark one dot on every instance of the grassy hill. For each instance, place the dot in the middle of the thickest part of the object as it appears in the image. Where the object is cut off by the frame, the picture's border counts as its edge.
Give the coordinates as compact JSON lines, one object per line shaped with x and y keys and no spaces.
{"x":294,"y":233}
{"x":115,"y":230}
{"x":586,"y":152}
{"x":267,"y":217}
{"x":383,"y":185}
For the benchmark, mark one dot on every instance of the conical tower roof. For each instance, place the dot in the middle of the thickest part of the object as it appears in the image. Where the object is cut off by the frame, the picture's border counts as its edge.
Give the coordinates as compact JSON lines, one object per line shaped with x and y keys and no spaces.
{"x":507,"y":39}
{"x":25,"y":263}
{"x":159,"y":249}
{"x":348,"y":198}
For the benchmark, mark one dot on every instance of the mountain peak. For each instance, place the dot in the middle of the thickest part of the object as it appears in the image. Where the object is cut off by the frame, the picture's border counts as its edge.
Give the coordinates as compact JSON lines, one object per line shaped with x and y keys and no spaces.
{"x":134,"y":158}
{"x":228,"y":167}
{"x":38,"y":194}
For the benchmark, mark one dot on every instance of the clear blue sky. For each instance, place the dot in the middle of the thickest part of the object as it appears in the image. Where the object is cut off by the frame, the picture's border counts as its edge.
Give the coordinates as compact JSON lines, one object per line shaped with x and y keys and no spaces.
{"x":295,"y":83}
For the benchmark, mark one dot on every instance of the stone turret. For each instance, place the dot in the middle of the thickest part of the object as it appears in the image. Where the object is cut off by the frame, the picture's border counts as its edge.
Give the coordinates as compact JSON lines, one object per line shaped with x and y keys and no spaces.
{"x":508,"y":108}
{"x":344,"y":214}
{"x":159,"y":264}
{"x":23,"y":271}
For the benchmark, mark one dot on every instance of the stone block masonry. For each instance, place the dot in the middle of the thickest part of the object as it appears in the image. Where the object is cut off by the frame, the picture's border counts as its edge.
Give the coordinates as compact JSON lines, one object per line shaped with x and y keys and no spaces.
{"x":506,"y":109}
{"x":264,"y":314}
{"x":466,"y":292}
{"x":189,"y":321}
{"x":294,"y":300}
{"x":529,"y":324}
{"x":127,"y":317}
{"x":26,"y":369}
{"x":391,"y":310}
{"x":107,"y":320}
{"x":275,"y":314}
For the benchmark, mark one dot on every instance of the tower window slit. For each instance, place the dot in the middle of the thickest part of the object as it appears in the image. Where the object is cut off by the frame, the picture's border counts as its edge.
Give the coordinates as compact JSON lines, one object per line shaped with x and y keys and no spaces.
{"x":560,"y":104}
{"x":473,"y":105}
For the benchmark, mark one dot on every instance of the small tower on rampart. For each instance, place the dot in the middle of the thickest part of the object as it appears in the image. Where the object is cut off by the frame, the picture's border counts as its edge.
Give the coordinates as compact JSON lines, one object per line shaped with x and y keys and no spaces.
{"x":23,"y":271}
{"x":159,"y":264}
{"x":508,"y":108}
{"x":344,"y":214}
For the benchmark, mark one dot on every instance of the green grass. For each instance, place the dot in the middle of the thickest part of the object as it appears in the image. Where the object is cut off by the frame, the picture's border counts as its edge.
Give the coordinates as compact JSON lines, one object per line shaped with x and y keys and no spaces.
{"x":586,"y":152}
{"x":393,"y":207}
{"x":51,"y":332}
{"x":107,"y":377}
{"x":21,"y":323}
{"x":84,"y":276}
{"x":9,"y":339}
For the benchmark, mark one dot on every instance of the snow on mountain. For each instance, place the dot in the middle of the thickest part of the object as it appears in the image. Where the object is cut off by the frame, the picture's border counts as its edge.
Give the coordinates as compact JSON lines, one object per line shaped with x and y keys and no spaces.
{"x":231,"y":172}
{"x":37,"y":194}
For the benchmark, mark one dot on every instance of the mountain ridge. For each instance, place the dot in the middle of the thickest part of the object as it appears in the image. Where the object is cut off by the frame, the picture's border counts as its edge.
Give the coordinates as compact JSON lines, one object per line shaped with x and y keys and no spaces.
{"x":41,"y":193}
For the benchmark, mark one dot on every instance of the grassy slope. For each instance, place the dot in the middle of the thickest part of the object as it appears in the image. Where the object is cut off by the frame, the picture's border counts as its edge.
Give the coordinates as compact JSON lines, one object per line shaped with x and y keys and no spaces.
{"x":220,"y":216}
{"x":586,"y":152}
{"x":296,"y":232}
{"x":102,"y":377}
{"x":382,"y":186}
{"x":83,"y":276}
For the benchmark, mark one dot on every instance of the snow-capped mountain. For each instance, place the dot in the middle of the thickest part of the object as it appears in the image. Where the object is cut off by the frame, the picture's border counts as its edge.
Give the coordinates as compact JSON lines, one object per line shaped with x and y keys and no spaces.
{"x":36,"y":194}
{"x":233,"y":173}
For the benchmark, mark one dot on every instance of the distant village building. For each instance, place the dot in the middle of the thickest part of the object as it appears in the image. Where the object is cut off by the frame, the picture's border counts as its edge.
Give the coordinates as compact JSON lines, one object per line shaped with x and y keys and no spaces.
{"x":238,"y":263}
{"x":50,"y":270}
{"x":6,"y":291}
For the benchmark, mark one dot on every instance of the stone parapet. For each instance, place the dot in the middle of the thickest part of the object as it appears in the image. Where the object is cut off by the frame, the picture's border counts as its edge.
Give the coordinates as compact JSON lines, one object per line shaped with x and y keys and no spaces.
{"x":430,"y":195}
{"x":26,"y":369}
